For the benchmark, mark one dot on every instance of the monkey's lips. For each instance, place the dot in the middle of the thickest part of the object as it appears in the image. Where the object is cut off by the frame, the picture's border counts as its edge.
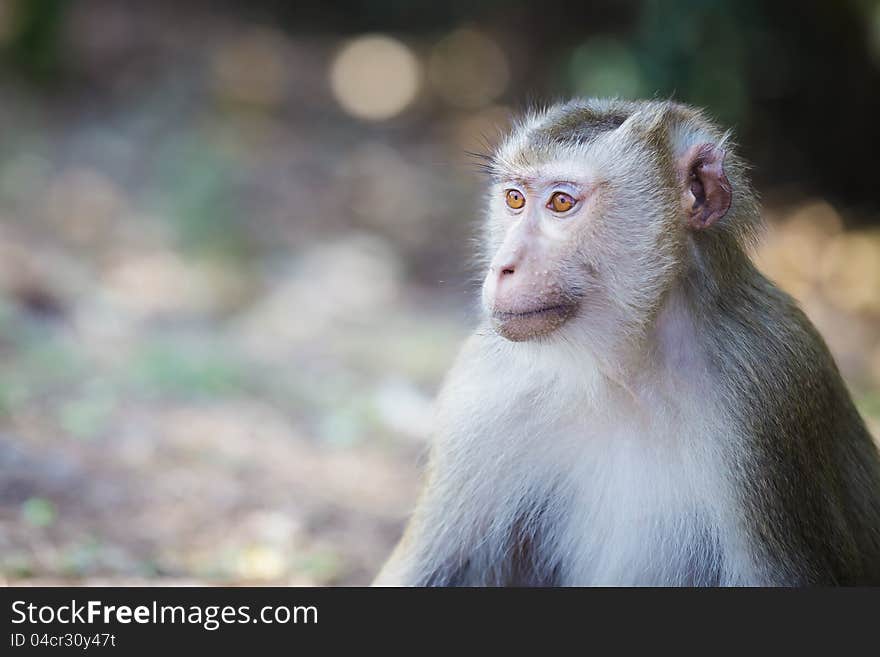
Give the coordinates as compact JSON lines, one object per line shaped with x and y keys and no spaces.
{"x":527,"y":324}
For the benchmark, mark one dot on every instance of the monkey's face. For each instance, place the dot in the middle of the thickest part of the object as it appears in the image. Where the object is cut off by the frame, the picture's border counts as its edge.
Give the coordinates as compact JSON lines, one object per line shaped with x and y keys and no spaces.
{"x":583,"y":240}
{"x":531,"y":287}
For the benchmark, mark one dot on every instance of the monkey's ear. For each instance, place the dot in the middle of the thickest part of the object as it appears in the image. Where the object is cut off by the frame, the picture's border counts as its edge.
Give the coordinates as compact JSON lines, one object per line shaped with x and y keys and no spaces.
{"x":706,"y":192}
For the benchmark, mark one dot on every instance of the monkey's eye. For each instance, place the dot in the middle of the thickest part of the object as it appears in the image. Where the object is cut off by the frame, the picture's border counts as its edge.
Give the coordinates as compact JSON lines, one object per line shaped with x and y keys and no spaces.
{"x":515,"y":199}
{"x":561,"y":202}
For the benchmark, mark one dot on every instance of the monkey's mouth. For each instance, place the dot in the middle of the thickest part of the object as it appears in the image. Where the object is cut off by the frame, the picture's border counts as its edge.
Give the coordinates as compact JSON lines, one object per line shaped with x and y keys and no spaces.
{"x":504,"y":316}
{"x":528,"y":324}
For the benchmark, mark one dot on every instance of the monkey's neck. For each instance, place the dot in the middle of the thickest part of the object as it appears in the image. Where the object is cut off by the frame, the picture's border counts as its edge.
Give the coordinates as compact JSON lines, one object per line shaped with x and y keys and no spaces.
{"x":701,"y":301}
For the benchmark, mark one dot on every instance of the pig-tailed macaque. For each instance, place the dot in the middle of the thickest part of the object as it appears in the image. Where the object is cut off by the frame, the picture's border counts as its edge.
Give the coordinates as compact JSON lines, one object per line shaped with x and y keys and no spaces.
{"x":639,"y":406}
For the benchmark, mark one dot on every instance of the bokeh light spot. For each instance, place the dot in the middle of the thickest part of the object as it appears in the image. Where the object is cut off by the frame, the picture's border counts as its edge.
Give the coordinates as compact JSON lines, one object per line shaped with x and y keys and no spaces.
{"x":252,"y":69}
{"x":850,"y":269}
{"x":467,"y":69}
{"x":480,"y":132}
{"x":375,"y":77}
{"x":605,"y":67}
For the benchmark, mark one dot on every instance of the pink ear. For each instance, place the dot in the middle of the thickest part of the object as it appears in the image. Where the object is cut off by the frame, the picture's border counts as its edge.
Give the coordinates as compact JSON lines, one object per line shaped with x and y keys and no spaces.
{"x":707,"y":191}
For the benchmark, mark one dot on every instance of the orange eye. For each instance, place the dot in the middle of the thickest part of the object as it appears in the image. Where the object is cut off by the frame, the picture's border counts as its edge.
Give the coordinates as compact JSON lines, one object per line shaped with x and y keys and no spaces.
{"x":515,"y":199}
{"x":561,"y":202}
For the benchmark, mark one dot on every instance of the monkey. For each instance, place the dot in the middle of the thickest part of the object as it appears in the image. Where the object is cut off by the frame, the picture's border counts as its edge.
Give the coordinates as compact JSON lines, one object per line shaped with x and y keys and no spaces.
{"x":639,"y":405}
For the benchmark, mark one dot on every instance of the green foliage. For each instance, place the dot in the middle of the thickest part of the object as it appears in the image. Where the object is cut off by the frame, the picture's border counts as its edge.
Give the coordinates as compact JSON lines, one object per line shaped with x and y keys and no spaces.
{"x":200,"y":198}
{"x":38,"y":512}
{"x":606,"y":67}
{"x":86,"y":416}
{"x":35,"y":44}
{"x":165,"y":369}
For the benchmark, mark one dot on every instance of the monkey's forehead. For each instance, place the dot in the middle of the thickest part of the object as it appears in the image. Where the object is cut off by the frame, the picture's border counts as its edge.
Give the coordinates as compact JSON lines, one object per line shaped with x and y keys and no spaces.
{"x":562,"y":131}
{"x":537,"y":171}
{"x":578,"y":121}
{"x":530,"y":155}
{"x":531,"y":160}
{"x":569,"y":130}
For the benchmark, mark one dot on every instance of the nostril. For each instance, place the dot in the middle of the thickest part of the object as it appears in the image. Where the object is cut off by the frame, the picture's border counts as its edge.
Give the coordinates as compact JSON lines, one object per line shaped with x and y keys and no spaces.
{"x":507,"y":271}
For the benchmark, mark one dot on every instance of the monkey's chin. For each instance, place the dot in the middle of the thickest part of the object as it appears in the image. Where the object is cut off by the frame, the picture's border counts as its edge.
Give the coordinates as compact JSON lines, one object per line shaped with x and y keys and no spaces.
{"x":522,"y":326}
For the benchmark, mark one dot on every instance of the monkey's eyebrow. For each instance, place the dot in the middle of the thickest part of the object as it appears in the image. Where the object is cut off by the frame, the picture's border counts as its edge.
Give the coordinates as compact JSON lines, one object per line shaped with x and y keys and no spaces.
{"x":522,"y":181}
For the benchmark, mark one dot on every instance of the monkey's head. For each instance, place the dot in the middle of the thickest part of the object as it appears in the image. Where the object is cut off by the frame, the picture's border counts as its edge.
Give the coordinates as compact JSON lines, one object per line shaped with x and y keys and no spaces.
{"x":597,"y":208}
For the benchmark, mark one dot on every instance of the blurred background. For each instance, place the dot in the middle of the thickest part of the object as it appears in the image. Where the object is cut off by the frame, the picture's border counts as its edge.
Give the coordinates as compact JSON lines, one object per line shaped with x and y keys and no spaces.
{"x":236,"y":238}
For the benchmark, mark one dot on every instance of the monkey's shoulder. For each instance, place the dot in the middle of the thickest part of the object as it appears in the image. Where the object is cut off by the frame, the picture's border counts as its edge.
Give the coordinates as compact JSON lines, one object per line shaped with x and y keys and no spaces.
{"x":790,"y":406}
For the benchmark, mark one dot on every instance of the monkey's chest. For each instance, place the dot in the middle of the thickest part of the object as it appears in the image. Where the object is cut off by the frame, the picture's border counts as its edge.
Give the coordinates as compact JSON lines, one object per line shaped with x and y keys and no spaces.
{"x":616,"y":545}
{"x":637,"y":510}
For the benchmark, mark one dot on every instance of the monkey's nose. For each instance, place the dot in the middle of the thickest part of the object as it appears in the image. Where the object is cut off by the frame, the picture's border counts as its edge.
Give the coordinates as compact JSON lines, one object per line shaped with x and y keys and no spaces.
{"x":504,"y":275}
{"x":505,"y":271}
{"x":505,"y":266}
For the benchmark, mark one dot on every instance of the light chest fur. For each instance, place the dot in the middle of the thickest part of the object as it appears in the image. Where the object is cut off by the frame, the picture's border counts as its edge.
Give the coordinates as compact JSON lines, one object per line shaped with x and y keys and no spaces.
{"x":588,"y":482}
